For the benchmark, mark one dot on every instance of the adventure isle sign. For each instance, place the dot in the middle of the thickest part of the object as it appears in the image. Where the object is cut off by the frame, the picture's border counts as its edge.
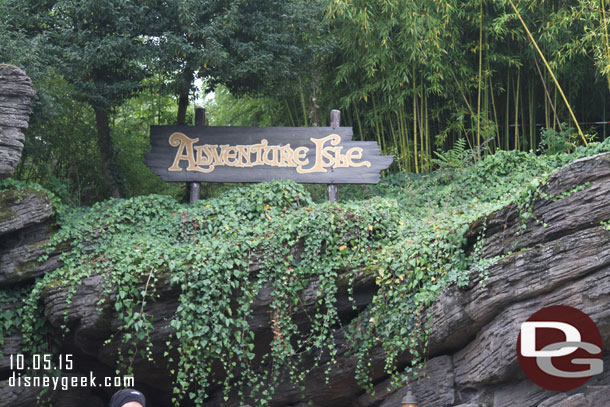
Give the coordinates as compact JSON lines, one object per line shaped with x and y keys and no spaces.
{"x":252,"y":154}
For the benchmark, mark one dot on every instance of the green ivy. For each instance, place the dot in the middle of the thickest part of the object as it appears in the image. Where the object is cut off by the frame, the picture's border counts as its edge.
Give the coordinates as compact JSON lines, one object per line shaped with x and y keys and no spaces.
{"x":408,"y":236}
{"x":11,"y":315}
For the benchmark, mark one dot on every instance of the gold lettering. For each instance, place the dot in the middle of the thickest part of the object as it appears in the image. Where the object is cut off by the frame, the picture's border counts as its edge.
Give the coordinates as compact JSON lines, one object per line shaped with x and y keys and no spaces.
{"x":244,"y":156}
{"x":185,"y":151}
{"x":210,"y":150}
{"x":205,"y":158}
{"x":300,"y":157}
{"x":321,"y":153}
{"x":326,"y":153}
{"x":229,"y":155}
{"x":340,"y":161}
{"x":286,"y":156}
{"x":218,"y":156}
{"x":275,"y":154}
{"x":201,"y":161}
{"x":257,"y":150}
{"x":202,"y":157}
{"x":355,"y":153}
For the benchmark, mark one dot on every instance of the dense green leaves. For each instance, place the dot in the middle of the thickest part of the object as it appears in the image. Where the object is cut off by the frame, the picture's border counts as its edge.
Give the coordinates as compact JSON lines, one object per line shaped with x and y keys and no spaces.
{"x":110,"y":51}
{"x":437,"y":84}
{"x":95,"y":43}
{"x":218,"y":254}
{"x":417,"y":76}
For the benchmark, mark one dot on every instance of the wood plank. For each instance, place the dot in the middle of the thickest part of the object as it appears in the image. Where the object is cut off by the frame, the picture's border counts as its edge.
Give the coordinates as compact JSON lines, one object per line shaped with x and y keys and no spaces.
{"x":217,"y":146}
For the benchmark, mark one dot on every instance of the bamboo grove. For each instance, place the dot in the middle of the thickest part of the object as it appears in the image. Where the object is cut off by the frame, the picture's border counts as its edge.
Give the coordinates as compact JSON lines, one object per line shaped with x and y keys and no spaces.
{"x":419,"y":75}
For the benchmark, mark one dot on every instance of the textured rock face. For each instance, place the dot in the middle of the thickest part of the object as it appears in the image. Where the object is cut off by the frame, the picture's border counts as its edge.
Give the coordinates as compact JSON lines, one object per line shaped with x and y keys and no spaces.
{"x":24,"y":214}
{"x":16,"y":96}
{"x":19,"y":255}
{"x":561,"y":257}
{"x":24,"y":228}
{"x":21,"y":209}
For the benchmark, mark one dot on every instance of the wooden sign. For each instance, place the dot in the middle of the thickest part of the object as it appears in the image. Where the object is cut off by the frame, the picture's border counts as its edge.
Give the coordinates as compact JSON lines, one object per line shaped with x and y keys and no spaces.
{"x":322,"y":155}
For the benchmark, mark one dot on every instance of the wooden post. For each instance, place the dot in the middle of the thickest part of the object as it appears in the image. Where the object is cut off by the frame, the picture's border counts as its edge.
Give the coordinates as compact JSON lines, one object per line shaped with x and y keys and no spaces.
{"x":199,"y":117}
{"x":196,"y":186}
{"x":335,"y":120}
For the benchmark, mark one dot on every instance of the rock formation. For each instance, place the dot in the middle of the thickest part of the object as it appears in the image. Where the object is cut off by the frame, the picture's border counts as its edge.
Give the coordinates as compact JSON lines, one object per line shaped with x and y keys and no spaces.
{"x":16,"y":94}
{"x":561,"y":257}
{"x":25,"y":226}
{"x":24,"y":214}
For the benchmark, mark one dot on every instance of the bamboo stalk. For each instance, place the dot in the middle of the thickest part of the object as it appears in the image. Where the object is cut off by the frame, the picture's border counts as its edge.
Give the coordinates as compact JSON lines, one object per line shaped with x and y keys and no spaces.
{"x":405,"y":140}
{"x":606,"y":40}
{"x":421,"y":129}
{"x":393,"y":132}
{"x":486,"y":112}
{"x":399,"y":146}
{"x":493,"y":105}
{"x":506,"y":121}
{"x":377,"y":126}
{"x":548,"y":96}
{"x":421,"y":135}
{"x":517,"y":110}
{"x":427,"y":135}
{"x":289,"y":113}
{"x":403,"y":145}
{"x":303,"y":104}
{"x":415,"y":124}
{"x":523,"y":119}
{"x":582,"y":136}
{"x":480,"y":80}
{"x":547,"y":119}
{"x":555,"y":111}
{"x":532,"y":114}
{"x":604,"y":114}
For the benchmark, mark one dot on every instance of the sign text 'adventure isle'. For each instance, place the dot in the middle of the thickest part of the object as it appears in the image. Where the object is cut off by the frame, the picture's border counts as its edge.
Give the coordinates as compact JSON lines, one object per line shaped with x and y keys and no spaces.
{"x":253,"y":154}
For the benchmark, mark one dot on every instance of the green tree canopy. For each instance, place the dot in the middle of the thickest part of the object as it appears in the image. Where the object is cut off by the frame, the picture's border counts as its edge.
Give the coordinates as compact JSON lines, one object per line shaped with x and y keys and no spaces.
{"x":106,"y":49}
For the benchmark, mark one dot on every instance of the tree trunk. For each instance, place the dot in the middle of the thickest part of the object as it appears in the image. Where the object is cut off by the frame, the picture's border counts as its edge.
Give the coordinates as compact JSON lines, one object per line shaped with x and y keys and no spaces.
{"x":105,"y":144}
{"x":183,"y":102}
{"x":183,"y":94}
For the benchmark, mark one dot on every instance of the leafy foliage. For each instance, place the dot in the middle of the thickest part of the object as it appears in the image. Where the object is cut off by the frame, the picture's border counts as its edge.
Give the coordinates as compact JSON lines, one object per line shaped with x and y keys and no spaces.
{"x":419,"y":77}
{"x":11,"y":316}
{"x":553,"y":142}
{"x":456,"y":157}
{"x":219,"y":254}
{"x":227,"y":110}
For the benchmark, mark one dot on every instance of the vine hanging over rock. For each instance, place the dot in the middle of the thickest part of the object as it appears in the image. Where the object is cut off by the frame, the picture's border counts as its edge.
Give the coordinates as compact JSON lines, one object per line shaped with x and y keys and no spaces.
{"x":253,"y":295}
